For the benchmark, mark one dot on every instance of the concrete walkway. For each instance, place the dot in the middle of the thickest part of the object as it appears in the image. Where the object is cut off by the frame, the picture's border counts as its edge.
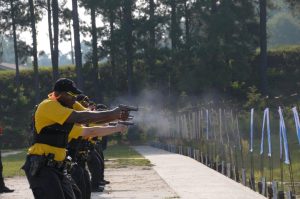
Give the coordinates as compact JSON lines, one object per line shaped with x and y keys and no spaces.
{"x":193,"y":180}
{"x":4,"y":154}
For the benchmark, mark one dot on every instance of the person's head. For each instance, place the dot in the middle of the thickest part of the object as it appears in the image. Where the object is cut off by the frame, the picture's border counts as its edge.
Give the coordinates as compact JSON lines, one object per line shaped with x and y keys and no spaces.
{"x":92,"y":105}
{"x":101,"y":107}
{"x":83,"y":100}
{"x":65,"y":91}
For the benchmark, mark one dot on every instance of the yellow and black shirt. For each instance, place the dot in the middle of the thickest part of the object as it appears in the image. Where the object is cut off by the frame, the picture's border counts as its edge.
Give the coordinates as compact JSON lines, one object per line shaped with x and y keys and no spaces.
{"x":51,"y":131}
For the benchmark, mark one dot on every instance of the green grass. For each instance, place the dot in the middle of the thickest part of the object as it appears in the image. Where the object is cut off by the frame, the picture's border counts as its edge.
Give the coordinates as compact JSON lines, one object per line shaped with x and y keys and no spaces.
{"x":12,"y":164}
{"x":120,"y":155}
{"x":123,"y":156}
{"x":120,"y":151}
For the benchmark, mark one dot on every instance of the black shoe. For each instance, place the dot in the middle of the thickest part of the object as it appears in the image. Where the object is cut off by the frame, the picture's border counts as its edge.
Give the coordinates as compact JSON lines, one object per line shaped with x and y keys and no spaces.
{"x":6,"y":190}
{"x":105,"y":182}
{"x":97,"y":189}
{"x":101,"y":183}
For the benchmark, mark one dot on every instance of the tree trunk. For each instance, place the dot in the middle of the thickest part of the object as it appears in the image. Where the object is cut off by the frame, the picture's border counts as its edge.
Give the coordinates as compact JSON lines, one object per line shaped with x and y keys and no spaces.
{"x":17,"y":80}
{"x":128,"y":42}
{"x":263,"y":46}
{"x":151,"y":57}
{"x":78,"y":59}
{"x":55,"y":58}
{"x":187,"y":26}
{"x":213,"y":6}
{"x":34,"y":53}
{"x":173,"y":25}
{"x":152,"y":26}
{"x":112,"y":43}
{"x":95,"y":54}
{"x":49,"y":10}
{"x":71,"y":40}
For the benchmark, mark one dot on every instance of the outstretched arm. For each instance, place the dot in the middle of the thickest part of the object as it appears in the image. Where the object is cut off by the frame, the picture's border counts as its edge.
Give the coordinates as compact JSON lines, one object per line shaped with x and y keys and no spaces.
{"x":83,"y":117}
{"x":103,"y":130}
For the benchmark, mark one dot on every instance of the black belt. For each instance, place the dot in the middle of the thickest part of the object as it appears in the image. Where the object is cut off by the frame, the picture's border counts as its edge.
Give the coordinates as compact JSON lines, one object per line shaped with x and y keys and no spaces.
{"x":49,"y":162}
{"x":55,"y":164}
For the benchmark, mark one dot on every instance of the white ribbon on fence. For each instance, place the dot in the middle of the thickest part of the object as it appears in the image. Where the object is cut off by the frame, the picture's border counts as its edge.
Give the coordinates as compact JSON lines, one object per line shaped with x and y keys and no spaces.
{"x":266,"y":118}
{"x":207,"y":121}
{"x":251,"y":130}
{"x":297,"y":122}
{"x":283,"y":138}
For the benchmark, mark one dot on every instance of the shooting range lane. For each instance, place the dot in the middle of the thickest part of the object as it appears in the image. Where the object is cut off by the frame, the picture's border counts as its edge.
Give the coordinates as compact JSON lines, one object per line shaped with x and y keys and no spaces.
{"x":193,"y":180}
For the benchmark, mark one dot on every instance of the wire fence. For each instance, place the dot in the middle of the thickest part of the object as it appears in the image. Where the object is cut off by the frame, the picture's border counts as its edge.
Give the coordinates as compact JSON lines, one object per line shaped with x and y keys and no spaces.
{"x":258,"y":149}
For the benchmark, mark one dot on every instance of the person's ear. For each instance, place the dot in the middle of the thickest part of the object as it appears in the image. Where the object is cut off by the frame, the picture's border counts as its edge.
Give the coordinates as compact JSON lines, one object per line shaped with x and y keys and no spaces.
{"x":57,"y":95}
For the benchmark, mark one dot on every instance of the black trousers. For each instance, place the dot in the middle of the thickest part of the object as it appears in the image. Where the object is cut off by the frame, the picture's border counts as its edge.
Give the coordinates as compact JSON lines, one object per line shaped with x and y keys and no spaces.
{"x":51,"y":183}
{"x":82,"y":179}
{"x":1,"y":175}
{"x":96,"y":167}
{"x":99,"y":149}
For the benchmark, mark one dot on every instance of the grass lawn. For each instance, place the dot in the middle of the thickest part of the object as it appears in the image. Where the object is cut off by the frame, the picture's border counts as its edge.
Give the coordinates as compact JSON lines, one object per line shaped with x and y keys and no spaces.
{"x":119,"y":155}
{"x":123,"y":156}
{"x":12,"y":164}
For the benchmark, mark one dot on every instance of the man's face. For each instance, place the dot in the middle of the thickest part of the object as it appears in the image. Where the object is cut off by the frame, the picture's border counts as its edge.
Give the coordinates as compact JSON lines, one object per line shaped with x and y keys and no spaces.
{"x":84,"y":103}
{"x":67,"y":98}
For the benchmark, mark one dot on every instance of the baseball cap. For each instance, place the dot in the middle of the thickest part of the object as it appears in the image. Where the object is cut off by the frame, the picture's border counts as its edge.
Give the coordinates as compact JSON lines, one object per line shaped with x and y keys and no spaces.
{"x":66,"y":85}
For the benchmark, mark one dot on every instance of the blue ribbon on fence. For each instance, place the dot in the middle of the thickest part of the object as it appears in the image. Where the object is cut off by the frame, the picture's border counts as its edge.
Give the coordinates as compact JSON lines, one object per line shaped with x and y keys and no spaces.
{"x":251,"y":130}
{"x":283,"y":138}
{"x":297,"y":122}
{"x":266,"y":118}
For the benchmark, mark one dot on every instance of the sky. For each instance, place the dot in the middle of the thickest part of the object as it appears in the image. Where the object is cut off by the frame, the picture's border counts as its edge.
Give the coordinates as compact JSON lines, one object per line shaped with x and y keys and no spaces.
{"x":42,"y":34}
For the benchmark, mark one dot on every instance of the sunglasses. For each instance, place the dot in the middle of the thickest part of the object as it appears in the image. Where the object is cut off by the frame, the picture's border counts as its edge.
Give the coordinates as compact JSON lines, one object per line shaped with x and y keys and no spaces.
{"x":85,"y":99}
{"x":72,"y":94}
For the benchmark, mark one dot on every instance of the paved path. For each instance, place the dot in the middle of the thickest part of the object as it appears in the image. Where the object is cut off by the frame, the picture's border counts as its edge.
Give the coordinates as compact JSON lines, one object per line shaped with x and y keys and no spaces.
{"x":193,"y":180}
{"x":4,"y":154}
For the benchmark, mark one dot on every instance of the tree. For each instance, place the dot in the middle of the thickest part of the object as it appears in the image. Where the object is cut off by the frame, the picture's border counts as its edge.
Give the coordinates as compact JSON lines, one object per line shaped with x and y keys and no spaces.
{"x":67,"y":34}
{"x":77,"y":46}
{"x":34,"y":52}
{"x":55,"y":53}
{"x":128,"y":28}
{"x":151,"y":29}
{"x":111,"y":48}
{"x":263,"y":45}
{"x":13,"y":23}
{"x":225,"y":35}
{"x":92,"y":6}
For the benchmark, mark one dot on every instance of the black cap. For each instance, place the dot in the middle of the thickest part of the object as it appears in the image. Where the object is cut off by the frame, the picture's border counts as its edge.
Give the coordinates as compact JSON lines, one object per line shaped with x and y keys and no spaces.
{"x":66,"y":85}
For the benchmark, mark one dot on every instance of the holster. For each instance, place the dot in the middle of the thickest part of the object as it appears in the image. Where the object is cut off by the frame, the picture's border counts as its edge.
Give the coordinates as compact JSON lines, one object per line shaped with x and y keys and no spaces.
{"x":34,"y":164}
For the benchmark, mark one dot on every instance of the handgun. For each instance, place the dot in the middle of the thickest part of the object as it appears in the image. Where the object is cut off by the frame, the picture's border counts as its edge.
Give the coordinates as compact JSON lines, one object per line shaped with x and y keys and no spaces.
{"x":128,"y":108}
{"x":127,"y":123}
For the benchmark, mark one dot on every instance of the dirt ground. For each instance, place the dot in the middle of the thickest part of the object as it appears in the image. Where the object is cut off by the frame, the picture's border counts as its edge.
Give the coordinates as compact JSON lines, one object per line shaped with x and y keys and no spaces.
{"x":126,"y":183}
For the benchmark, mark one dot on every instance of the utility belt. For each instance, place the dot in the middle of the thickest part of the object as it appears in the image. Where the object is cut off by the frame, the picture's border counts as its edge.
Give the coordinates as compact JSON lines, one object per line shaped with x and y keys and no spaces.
{"x":82,"y":155}
{"x":35,"y":163}
{"x":92,"y":146}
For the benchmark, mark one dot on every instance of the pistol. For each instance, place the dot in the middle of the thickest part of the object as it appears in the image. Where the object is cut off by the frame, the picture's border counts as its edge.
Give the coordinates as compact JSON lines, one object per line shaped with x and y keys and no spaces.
{"x":127,"y":123}
{"x":128,"y":108}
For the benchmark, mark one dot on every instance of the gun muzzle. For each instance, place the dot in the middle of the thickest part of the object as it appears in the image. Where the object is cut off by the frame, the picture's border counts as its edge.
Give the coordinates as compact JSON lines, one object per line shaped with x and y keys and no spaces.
{"x":127,"y":123}
{"x":128,"y":108}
